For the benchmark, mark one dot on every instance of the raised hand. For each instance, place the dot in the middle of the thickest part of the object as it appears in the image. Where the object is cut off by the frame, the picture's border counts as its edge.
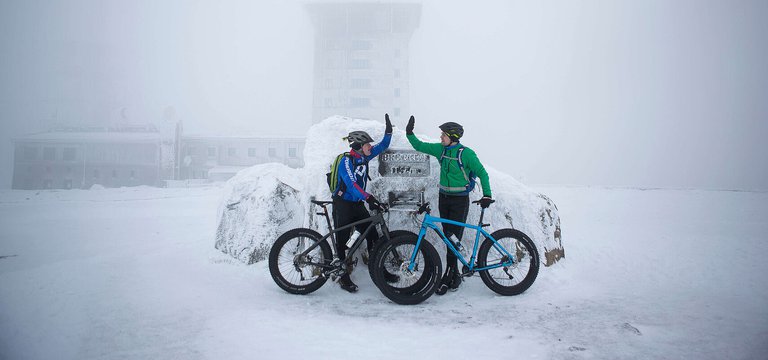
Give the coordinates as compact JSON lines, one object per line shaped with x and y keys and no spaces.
{"x":388,"y":128}
{"x":409,"y":127}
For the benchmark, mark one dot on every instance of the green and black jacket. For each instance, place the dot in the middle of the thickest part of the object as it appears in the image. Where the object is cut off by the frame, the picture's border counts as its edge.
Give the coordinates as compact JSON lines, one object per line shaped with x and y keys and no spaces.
{"x":451,"y":176}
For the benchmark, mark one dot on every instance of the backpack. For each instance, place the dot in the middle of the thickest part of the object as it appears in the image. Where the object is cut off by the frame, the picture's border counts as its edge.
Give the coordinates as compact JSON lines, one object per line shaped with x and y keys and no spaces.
{"x":332,"y":177}
{"x":470,"y":178}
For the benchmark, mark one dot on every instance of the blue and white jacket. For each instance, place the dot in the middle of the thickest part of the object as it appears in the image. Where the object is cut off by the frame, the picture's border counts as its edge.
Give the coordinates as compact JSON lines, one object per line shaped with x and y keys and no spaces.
{"x":353,"y":171}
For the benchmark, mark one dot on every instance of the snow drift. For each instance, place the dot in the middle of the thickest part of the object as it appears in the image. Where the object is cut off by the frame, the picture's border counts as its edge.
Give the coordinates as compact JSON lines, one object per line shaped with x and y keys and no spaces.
{"x":264,"y":201}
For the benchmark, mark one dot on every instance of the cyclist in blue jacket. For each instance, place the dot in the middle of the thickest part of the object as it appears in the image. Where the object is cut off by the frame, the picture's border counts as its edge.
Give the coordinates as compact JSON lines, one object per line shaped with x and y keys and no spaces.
{"x":349,"y":195}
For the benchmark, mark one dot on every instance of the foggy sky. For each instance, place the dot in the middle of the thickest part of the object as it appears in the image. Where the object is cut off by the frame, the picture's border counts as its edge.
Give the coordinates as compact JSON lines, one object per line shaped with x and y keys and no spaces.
{"x":618,"y":93}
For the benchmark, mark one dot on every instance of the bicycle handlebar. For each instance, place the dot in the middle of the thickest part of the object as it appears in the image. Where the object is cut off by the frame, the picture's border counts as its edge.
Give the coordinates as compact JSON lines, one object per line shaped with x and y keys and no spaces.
{"x":381,"y":208}
{"x":478,"y":202}
{"x":424,"y":207}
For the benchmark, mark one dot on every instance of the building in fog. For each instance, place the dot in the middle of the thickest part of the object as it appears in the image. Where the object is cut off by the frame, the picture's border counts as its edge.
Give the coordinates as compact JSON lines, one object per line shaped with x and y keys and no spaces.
{"x":78,"y":158}
{"x":81,"y":157}
{"x":361,"y":59}
{"x":219,"y":158}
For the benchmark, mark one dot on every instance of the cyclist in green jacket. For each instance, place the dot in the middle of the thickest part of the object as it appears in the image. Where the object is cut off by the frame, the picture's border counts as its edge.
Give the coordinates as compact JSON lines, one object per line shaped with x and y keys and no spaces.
{"x":459,"y":166}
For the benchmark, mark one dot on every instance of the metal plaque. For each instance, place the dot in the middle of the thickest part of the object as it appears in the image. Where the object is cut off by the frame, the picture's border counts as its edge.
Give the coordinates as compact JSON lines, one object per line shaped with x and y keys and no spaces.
{"x":405,"y":198}
{"x":404,"y":163}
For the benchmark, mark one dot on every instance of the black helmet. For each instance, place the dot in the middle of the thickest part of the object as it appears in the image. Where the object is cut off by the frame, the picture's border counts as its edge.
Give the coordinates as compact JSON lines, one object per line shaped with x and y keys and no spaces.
{"x":453,"y":130}
{"x":358,"y":138}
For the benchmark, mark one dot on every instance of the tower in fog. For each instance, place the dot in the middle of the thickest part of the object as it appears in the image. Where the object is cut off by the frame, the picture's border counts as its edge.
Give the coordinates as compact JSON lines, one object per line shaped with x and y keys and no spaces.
{"x":361,"y":59}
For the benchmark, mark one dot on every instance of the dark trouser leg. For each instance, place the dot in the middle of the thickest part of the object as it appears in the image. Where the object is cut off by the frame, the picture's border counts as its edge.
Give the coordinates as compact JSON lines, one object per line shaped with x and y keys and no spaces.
{"x":342,"y":215}
{"x":347,"y":212}
{"x":361,"y":213}
{"x":453,"y":208}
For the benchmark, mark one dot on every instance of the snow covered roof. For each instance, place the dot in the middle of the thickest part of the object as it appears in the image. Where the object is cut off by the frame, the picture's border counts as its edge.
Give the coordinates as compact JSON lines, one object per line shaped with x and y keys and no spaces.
{"x":65,"y":136}
{"x":242,"y":137}
{"x":226,"y":169}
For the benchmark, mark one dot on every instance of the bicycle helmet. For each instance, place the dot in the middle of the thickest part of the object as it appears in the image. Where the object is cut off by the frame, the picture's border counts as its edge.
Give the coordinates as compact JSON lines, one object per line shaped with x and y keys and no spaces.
{"x":453,"y":130}
{"x":358,"y":138}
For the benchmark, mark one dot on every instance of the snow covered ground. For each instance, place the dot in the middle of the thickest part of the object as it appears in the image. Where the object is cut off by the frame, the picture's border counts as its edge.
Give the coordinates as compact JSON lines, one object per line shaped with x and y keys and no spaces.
{"x":132,"y":274}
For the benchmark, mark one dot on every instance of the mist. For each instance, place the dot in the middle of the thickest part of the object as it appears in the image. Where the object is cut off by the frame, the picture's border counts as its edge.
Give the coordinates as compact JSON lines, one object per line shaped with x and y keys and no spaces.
{"x":635,"y":94}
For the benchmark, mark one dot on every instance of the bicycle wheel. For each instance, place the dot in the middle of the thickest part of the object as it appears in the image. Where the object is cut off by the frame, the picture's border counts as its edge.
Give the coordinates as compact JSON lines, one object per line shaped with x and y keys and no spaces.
{"x":291,"y":272}
{"x":514,"y":279}
{"x":414,"y":286}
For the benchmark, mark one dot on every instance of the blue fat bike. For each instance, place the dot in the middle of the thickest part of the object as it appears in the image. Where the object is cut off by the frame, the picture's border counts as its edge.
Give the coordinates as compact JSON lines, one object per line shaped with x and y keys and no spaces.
{"x":507,"y":260}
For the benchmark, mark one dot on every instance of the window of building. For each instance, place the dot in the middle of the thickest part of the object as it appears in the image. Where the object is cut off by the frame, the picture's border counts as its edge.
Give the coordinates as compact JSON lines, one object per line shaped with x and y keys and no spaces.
{"x":47,"y":184}
{"x":361,"y":45}
{"x":96,"y":173}
{"x":69,"y":170}
{"x":329,"y":83}
{"x":30,"y":153}
{"x":272,"y":152}
{"x":359,"y":64}
{"x":49,"y":153}
{"x":397,"y":112}
{"x":133,"y":174}
{"x":211,"y":151}
{"x":397,"y":92}
{"x":359,"y":102}
{"x":191,"y":150}
{"x":328,"y":102}
{"x":251,"y":152}
{"x":232,"y":152}
{"x":114,"y":174}
{"x":361,"y":83}
{"x":68,"y":184}
{"x":397,"y":73}
{"x":292,"y":152}
{"x":397,"y":53}
{"x":48,"y":169}
{"x":69,"y":154}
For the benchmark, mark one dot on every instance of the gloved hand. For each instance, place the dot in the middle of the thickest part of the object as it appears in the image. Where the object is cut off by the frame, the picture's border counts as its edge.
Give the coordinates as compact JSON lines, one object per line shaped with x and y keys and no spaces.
{"x":372,"y":202}
{"x":409,"y":127}
{"x":485,"y":202}
{"x":388,"y":129}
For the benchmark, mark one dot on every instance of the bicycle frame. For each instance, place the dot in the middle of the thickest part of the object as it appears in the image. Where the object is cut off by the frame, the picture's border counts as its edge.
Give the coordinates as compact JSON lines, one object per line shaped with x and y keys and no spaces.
{"x":431,"y":221}
{"x":375,"y":219}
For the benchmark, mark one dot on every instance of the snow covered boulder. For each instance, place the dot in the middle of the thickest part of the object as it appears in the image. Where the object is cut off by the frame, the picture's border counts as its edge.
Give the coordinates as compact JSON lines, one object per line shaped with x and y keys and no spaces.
{"x":266,"y":200}
{"x":260,"y":205}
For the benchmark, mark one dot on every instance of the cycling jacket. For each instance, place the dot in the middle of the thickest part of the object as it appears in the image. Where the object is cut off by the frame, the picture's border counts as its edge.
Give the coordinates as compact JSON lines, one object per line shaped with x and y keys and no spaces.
{"x":353,"y":171}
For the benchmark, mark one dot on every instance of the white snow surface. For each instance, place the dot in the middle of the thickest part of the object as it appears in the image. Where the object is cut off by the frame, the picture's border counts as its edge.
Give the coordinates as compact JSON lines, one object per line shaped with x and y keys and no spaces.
{"x":130,"y":273}
{"x":266,"y":200}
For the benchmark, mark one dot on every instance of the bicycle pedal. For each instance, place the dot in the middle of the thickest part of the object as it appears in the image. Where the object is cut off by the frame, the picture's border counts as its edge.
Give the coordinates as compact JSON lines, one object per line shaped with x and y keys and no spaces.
{"x":441,"y":289}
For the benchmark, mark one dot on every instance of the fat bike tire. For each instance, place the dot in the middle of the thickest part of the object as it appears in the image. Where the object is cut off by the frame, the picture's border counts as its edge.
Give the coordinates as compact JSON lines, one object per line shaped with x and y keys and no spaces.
{"x":291,"y":273}
{"x":514,"y":279}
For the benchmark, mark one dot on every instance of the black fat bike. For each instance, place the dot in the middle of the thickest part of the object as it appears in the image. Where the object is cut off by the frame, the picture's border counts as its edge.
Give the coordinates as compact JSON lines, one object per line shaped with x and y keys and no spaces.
{"x":301,"y":260}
